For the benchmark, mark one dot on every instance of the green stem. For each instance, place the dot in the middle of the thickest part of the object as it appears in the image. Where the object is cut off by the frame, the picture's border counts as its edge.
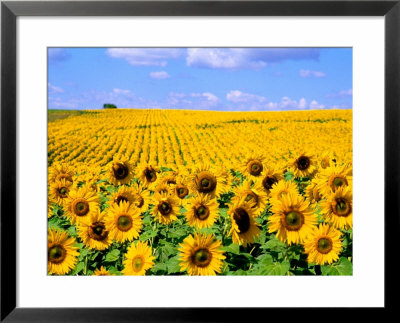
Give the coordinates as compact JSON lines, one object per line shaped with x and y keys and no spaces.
{"x":85,"y":268}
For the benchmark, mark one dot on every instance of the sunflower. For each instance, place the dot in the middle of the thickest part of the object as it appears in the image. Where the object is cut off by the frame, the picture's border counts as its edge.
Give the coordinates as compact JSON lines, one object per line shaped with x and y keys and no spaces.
{"x":94,"y":233}
{"x":338,"y":208}
{"x":334,"y":177}
{"x":120,"y":172}
{"x":163,"y":188}
{"x":166,"y":208}
{"x":61,"y":252}
{"x":312,"y":192}
{"x":123,"y":222}
{"x":181,"y":190}
{"x":61,"y":171}
{"x":292,"y":218}
{"x":59,"y":190}
{"x":138,"y":259}
{"x":303,"y":165}
{"x":102,"y":272}
{"x":202,"y":211}
{"x":253,"y":167}
{"x":81,"y":204}
{"x":124,"y":193}
{"x":208,"y":180}
{"x":323,"y":245}
{"x":201,"y":255}
{"x":271,"y":176}
{"x":147,"y":174}
{"x":244,"y":229}
{"x":282,"y":188}
{"x":253,"y":193}
{"x":141,"y":197}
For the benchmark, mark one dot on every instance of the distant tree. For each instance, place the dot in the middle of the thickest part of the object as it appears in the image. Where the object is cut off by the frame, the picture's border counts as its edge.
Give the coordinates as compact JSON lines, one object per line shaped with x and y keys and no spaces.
{"x":109,"y":106}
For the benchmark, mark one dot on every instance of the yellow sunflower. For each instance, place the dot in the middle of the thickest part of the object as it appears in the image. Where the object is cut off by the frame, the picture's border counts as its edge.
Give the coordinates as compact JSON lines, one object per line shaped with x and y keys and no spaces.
{"x":312,"y":192}
{"x":208,"y":180}
{"x":141,"y":197}
{"x":147,"y":174}
{"x":138,"y":259}
{"x":123,"y":222}
{"x":94,"y":233}
{"x":271,"y":177}
{"x":332,"y":178}
{"x":181,"y":190}
{"x":253,"y":167}
{"x":253,"y":193}
{"x":338,"y":208}
{"x":166,"y":208}
{"x":163,"y":188}
{"x":281,"y":189}
{"x":120,"y":172}
{"x":124,"y":193}
{"x":201,"y":255}
{"x":60,"y":171}
{"x":202,"y":211}
{"x":59,"y":190}
{"x":303,"y":165}
{"x":101,"y":272}
{"x":244,"y":229}
{"x":292,"y":218}
{"x":81,"y":204}
{"x":61,"y":252}
{"x":323,"y":245}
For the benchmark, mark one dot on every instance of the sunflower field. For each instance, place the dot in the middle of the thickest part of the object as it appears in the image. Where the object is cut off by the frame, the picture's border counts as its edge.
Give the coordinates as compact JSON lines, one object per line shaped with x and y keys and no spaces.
{"x":179,"y":192}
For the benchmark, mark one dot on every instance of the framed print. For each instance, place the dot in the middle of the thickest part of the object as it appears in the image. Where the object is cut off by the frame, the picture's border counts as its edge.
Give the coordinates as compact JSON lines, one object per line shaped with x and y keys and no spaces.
{"x":204,"y":158}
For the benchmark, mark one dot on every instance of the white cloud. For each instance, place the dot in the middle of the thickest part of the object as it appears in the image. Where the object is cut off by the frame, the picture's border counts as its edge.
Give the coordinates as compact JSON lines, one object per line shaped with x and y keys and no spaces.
{"x":287,"y":103}
{"x":121,"y":91}
{"x":302,"y":104}
{"x":236,"y":96}
{"x":146,"y":56}
{"x":315,"y":105}
{"x":308,"y":73}
{"x":159,"y":75}
{"x":54,"y":89}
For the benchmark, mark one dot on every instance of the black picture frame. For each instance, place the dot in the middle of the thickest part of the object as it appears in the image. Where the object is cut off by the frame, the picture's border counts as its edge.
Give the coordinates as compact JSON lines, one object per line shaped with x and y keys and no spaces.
{"x":11,"y":10}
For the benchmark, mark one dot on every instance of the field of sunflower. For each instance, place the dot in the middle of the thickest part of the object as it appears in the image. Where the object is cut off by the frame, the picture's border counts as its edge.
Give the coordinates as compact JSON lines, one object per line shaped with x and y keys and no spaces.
{"x":177,"y":192}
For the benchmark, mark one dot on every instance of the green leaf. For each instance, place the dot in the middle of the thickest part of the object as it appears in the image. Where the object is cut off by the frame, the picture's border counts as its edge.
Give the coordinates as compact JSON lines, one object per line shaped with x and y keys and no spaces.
{"x":159,"y":267}
{"x":232,"y":248}
{"x":147,"y":235}
{"x":79,"y":267}
{"x":343,"y":267}
{"x":112,"y":256}
{"x":275,"y":269}
{"x":173,"y":265}
{"x":274,"y":245}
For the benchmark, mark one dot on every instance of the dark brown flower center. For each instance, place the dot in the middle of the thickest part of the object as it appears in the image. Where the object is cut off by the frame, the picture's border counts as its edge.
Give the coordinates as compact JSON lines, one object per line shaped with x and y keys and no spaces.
{"x":137,"y":263}
{"x":252,"y":198}
{"x":341,"y":207}
{"x":337,"y":181}
{"x":150,"y":174}
{"x":206,"y":182}
{"x":63,"y":191}
{"x":181,"y":191}
{"x":97,"y":231}
{"x":120,"y":171}
{"x":324,"y":245}
{"x":202,"y":257}
{"x":242,"y":219}
{"x":255,"y":167}
{"x":268,"y":181}
{"x":56,"y":254}
{"x":124,"y":222}
{"x":165,"y":208}
{"x":293,"y":220}
{"x":202,"y":212}
{"x":139,"y":201}
{"x":303,"y":162}
{"x":120,"y":198}
{"x":80,"y":207}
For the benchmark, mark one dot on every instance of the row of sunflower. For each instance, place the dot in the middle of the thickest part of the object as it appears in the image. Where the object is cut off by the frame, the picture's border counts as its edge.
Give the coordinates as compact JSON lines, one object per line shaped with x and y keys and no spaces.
{"x":291,"y":217}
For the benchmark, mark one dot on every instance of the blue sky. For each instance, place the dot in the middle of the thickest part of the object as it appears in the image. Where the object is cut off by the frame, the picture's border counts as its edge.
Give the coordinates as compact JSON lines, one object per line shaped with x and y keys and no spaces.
{"x":227,"y":79}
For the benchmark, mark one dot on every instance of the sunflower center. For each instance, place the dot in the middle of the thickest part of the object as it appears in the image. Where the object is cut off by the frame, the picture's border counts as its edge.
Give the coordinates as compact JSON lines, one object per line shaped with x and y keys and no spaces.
{"x":124,"y":223}
{"x":207,"y":182}
{"x":63,"y":191}
{"x":120,"y":171}
{"x":80,"y":207}
{"x":252,"y":197}
{"x":137,"y":263}
{"x":202,"y":212}
{"x":268,"y":181}
{"x":164,"y":208}
{"x":324,"y":245}
{"x":150,"y":175}
{"x":182,"y":192}
{"x":293,"y":221}
{"x":255,"y":167}
{"x":337,"y":181}
{"x":242,"y":219}
{"x":341,"y":207}
{"x":120,"y":198}
{"x":303,"y":163}
{"x":202,"y":257}
{"x":97,"y":231}
{"x":140,"y":201}
{"x":57,"y":254}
